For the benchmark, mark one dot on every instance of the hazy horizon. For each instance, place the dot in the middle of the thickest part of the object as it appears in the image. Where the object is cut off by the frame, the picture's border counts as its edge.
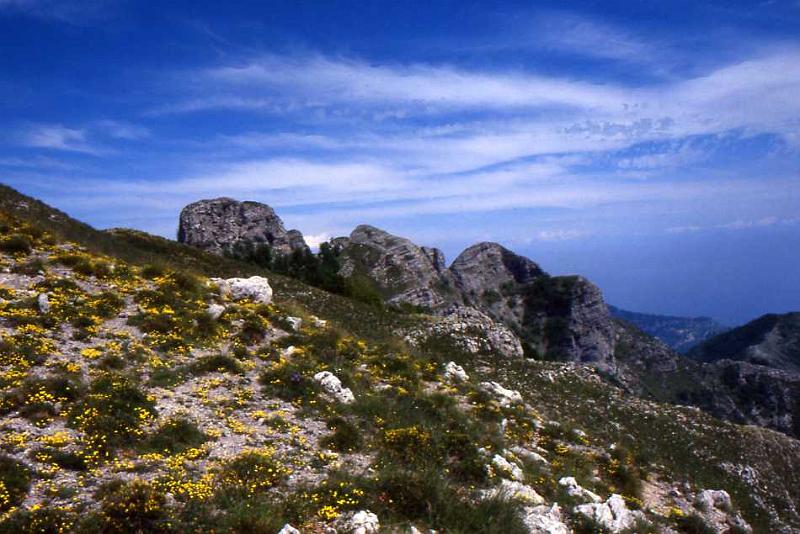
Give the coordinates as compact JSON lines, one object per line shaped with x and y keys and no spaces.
{"x":653,"y":148}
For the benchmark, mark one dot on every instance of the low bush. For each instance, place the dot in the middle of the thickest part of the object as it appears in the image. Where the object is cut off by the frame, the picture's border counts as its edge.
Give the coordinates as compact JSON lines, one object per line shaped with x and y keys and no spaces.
{"x":15,"y":482}
{"x":16,"y":244}
{"x":135,"y":506}
{"x":175,"y":435}
{"x":346,"y":437}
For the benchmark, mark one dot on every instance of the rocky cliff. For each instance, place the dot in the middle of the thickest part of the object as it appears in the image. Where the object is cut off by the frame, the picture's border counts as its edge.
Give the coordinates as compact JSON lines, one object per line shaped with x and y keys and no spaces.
{"x":558,"y":318}
{"x":489,"y":277}
{"x":224,"y":225}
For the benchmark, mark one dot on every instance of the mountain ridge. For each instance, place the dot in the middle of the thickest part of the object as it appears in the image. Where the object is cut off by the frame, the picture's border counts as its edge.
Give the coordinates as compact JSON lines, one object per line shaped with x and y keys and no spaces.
{"x":559,"y":318}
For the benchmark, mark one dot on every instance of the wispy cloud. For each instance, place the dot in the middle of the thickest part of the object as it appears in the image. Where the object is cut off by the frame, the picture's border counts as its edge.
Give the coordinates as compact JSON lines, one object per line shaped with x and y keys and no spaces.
{"x":70,"y":11}
{"x":59,"y":137}
{"x":91,"y":139}
{"x":573,"y":33}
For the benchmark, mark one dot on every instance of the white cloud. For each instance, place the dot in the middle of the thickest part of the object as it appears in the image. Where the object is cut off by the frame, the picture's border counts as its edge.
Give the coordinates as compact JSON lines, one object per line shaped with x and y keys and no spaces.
{"x":572,"y":33}
{"x":83,"y":139}
{"x":315,"y":240}
{"x":59,"y":137}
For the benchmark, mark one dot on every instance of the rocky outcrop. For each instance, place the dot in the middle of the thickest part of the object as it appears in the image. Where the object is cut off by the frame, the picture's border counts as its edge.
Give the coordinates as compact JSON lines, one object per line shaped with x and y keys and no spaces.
{"x":489,"y":277}
{"x":472,"y":331}
{"x":331,"y":384}
{"x":561,"y":318}
{"x":751,"y":394}
{"x":565,"y":318}
{"x":404,"y":272}
{"x":224,"y":225}
{"x":771,"y":341}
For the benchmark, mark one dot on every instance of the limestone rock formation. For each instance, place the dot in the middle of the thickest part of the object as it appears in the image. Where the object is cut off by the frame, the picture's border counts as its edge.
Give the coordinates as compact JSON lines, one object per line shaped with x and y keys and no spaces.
{"x":568,"y":319}
{"x":223,"y":224}
{"x":489,"y":276}
{"x":472,"y":331}
{"x":402,"y":271}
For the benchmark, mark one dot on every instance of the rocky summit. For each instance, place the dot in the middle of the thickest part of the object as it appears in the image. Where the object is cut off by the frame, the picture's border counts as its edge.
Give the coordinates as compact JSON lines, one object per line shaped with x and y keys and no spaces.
{"x":149,"y":386}
{"x":224,"y":225}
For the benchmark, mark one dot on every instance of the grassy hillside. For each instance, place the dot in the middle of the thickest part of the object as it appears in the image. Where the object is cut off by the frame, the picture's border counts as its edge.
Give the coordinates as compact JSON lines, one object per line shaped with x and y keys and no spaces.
{"x":125,"y":406}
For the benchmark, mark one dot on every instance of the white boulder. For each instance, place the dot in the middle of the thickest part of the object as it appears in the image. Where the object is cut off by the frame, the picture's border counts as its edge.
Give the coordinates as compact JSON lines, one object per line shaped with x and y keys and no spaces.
{"x":455,"y":373}
{"x":516,"y":490}
{"x":333,"y":386}
{"x":710,"y":499}
{"x":288,"y":529}
{"x":363,"y":522}
{"x":613,"y":515}
{"x":506,"y":397}
{"x":43,"y":302}
{"x":215,"y":311}
{"x":506,"y":468}
{"x":545,"y":520}
{"x":255,"y":288}
{"x":574,"y":489}
{"x":295,"y":322}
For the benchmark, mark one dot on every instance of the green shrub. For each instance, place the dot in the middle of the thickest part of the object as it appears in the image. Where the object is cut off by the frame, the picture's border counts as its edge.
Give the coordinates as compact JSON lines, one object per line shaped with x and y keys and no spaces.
{"x":47,"y":520}
{"x":253,"y":472}
{"x":31,"y":267}
{"x":694,"y":524}
{"x":346,"y":437}
{"x":425,"y":495}
{"x":16,"y":244}
{"x":114,"y":408}
{"x":174,"y":436}
{"x":135,"y":506}
{"x":216,"y":363}
{"x":15,"y":482}
{"x":151,"y":271}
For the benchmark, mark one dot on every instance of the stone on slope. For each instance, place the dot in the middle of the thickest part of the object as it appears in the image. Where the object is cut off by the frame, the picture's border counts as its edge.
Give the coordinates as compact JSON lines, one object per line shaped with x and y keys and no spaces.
{"x":613,"y":515}
{"x":545,"y":520}
{"x":333,"y":386}
{"x":43,"y":302}
{"x":577,"y":491}
{"x":470,"y":330}
{"x":215,"y":311}
{"x":363,"y":522}
{"x":506,"y":397}
{"x":455,"y":373}
{"x":255,"y":288}
{"x":516,"y":490}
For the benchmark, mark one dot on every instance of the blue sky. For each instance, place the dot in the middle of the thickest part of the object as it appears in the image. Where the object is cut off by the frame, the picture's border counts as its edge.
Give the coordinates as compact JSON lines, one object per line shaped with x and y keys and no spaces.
{"x":652,"y":146}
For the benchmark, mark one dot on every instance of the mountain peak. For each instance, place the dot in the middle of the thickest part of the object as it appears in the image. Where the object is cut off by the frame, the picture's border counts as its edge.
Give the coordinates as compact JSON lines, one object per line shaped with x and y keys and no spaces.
{"x":222,"y":225}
